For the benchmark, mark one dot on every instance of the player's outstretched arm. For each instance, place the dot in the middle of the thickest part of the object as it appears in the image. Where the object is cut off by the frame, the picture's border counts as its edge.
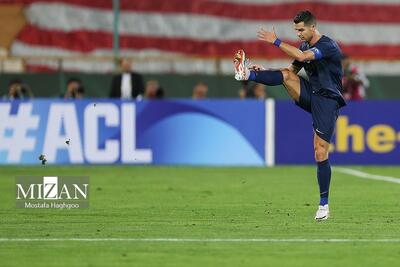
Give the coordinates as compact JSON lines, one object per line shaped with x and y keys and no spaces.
{"x":294,"y":52}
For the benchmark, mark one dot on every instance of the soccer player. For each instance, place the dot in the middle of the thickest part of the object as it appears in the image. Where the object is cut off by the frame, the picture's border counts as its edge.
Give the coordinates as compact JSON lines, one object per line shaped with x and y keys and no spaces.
{"x":321,"y":95}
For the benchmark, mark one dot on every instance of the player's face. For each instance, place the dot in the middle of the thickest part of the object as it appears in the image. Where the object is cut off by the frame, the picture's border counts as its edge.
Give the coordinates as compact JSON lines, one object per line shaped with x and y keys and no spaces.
{"x":304,"y":32}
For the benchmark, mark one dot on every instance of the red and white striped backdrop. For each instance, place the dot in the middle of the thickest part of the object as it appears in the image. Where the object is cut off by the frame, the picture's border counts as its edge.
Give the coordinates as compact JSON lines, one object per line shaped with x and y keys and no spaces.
{"x":365,"y":30}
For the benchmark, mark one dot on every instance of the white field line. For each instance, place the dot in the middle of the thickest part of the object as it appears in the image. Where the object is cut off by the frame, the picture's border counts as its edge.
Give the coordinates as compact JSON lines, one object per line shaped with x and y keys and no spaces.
{"x":367,"y":175}
{"x":206,"y":240}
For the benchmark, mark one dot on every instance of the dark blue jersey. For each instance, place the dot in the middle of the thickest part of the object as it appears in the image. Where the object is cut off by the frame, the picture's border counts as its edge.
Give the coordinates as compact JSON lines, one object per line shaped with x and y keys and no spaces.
{"x":325,"y":71}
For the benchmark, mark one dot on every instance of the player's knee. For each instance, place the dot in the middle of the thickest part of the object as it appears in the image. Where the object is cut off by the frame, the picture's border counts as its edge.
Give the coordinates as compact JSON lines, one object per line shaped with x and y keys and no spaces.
{"x":321,"y":153}
{"x":288,"y":75}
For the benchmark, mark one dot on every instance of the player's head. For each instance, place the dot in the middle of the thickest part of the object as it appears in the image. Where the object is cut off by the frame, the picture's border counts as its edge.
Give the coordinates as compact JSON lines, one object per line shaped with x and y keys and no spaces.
{"x":305,"y":25}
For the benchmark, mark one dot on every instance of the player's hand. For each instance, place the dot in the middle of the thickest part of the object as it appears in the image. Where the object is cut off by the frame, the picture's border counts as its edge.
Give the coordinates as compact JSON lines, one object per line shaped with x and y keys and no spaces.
{"x":256,"y":67}
{"x":267,"y":36}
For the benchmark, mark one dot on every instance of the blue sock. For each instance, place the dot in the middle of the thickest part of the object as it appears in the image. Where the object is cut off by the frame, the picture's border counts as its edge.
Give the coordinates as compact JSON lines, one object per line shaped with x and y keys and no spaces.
{"x":324,"y":179}
{"x":268,"y":77}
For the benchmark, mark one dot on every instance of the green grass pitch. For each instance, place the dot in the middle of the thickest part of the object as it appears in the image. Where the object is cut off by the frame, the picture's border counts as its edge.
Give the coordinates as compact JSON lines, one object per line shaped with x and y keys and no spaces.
{"x":205,"y":203}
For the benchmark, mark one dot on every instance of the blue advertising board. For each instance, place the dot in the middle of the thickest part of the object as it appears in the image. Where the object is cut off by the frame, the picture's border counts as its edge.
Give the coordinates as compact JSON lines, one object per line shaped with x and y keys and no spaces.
{"x":100,"y":131}
{"x":366,"y":133}
{"x":187,"y":132}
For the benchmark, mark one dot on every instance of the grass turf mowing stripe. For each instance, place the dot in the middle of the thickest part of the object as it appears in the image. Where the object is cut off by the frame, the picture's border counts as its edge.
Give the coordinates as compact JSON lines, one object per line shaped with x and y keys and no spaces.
{"x":210,"y":240}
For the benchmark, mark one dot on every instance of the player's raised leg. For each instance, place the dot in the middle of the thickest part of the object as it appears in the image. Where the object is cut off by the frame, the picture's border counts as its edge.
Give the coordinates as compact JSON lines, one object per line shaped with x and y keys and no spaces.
{"x":289,"y":79}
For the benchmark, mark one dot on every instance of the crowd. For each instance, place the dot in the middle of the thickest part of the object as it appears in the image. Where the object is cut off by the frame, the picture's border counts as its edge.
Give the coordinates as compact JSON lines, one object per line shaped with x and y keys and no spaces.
{"x":130,"y":85}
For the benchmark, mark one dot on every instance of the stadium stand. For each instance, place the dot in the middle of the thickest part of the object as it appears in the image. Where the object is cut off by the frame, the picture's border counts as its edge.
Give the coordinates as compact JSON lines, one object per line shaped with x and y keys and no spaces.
{"x":171,"y":39}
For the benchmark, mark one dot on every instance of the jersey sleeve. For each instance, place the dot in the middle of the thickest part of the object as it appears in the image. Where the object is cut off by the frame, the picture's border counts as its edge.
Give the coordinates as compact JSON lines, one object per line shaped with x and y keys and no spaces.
{"x":325,"y":50}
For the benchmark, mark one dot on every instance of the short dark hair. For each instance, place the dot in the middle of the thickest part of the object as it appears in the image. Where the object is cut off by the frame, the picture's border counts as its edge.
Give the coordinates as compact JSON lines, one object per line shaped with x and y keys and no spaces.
{"x":305,"y":16}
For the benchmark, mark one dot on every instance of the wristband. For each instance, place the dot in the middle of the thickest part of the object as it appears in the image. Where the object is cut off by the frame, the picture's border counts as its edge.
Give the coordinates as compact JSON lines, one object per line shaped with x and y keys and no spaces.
{"x":277,"y":42}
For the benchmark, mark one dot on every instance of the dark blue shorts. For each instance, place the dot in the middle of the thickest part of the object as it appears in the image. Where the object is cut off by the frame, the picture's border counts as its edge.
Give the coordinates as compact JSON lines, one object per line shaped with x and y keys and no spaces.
{"x":324,"y":110}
